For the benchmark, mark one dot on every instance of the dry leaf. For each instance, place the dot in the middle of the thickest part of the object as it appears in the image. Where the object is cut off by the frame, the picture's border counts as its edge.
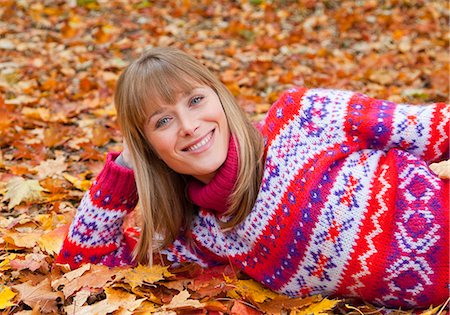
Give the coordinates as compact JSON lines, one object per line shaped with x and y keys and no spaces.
{"x":20,"y":190}
{"x":252,"y":290}
{"x":40,"y":295}
{"x":52,"y":241}
{"x":320,"y":308}
{"x":6,"y":295}
{"x":78,"y":183}
{"x":25,"y":240}
{"x":144,"y":274}
{"x":51,"y":168}
{"x":31,"y":262}
{"x":181,"y":300}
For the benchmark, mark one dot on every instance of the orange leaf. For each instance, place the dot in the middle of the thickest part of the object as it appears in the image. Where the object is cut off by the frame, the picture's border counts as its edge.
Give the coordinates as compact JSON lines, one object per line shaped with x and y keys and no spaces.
{"x":39,"y":295}
{"x":242,"y":309}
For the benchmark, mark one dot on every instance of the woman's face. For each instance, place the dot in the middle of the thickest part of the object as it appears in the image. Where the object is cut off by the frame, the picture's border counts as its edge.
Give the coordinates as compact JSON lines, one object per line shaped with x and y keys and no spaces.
{"x":192,"y":135}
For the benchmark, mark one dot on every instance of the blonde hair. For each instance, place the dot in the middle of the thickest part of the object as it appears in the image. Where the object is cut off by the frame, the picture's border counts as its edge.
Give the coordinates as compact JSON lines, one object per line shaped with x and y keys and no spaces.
{"x":157,"y":77}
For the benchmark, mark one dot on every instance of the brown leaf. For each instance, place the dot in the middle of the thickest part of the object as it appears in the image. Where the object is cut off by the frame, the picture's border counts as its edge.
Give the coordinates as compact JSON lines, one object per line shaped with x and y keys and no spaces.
{"x":40,"y":295}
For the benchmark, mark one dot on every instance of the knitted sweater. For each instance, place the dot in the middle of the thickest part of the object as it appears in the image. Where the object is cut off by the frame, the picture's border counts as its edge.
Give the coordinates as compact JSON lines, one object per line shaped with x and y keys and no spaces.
{"x":347,"y":204}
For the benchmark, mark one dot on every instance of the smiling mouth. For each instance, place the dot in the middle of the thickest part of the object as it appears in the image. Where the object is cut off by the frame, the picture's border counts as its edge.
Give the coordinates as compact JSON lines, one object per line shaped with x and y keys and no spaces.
{"x":200,"y":144}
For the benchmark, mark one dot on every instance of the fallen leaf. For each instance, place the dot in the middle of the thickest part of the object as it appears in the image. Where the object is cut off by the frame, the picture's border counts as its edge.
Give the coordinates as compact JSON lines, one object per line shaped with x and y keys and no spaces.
{"x":181,"y":300}
{"x":252,"y":290}
{"x":240,"y":308}
{"x":32,"y":262}
{"x":78,"y":183}
{"x":51,"y":168}
{"x":24,"y":240}
{"x":40,"y":295}
{"x":20,"y":190}
{"x":4,"y":263}
{"x":6,"y":295}
{"x":320,"y":308}
{"x":137,"y":276}
{"x":52,"y":241}
{"x":96,"y":277}
{"x":100,"y":308}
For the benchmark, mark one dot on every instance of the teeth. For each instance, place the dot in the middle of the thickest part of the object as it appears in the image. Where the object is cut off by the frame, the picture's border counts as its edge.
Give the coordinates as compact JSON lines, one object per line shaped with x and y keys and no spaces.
{"x":200,"y":144}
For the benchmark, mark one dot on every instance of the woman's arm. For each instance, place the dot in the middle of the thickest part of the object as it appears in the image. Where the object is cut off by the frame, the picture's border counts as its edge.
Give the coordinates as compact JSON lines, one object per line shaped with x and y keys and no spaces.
{"x":422,"y":130}
{"x":95,"y":235}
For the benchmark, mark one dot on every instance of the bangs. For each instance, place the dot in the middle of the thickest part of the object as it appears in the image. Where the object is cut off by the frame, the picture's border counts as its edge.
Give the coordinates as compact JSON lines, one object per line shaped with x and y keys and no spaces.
{"x":164,"y":83}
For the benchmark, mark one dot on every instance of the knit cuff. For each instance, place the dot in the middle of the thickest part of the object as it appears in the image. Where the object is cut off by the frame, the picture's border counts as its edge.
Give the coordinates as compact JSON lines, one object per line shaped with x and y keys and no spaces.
{"x":115,"y":186}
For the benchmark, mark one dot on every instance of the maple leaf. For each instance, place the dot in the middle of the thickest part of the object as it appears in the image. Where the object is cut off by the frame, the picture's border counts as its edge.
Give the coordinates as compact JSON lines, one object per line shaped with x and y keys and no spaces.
{"x":252,"y":290}
{"x":240,"y":308}
{"x":6,"y":295}
{"x":91,"y":276}
{"x":51,"y":168}
{"x":32,"y":262}
{"x":52,"y":242}
{"x":137,"y":276}
{"x":78,"y":183}
{"x":320,"y":308}
{"x":20,"y":189}
{"x":181,"y":300}
{"x":5,"y":262}
{"x":25,"y":240}
{"x":40,"y":295}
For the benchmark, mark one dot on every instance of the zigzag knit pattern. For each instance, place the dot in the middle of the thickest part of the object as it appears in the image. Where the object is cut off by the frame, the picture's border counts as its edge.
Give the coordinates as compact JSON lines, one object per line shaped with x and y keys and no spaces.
{"x":95,"y":235}
{"x":347,"y":203}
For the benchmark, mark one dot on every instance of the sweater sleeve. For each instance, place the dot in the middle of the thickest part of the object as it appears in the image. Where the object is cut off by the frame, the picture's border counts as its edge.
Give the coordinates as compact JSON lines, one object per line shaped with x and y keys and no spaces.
{"x":422,"y":130}
{"x":95,"y":235}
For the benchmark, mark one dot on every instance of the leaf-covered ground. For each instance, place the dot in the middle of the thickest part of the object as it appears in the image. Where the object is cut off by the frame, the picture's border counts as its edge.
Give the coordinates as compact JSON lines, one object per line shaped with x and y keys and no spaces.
{"x":59,"y":61}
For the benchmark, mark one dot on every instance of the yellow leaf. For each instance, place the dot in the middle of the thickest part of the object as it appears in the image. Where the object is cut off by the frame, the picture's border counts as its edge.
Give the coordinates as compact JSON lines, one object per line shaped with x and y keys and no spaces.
{"x":19,"y":190}
{"x":254,"y":290}
{"x":432,"y":311}
{"x":51,"y":242}
{"x":6,"y":295}
{"x":50,"y":221}
{"x":79,"y":184}
{"x":320,"y":308}
{"x":40,"y":113}
{"x":125,"y":300}
{"x":182,"y":300}
{"x":26,"y":240}
{"x":4,"y":265}
{"x":137,"y":276}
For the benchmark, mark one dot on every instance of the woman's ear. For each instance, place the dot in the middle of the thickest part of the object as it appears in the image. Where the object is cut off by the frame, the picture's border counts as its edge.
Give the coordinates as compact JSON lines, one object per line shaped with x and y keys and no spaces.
{"x":442,"y":169}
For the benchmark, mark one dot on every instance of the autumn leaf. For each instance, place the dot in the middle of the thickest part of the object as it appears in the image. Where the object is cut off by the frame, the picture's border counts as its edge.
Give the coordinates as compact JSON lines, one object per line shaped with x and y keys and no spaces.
{"x":20,"y":190}
{"x":181,"y":300}
{"x":240,"y":308}
{"x":78,"y":183}
{"x":251,"y":289}
{"x":6,"y":295}
{"x":93,"y":276}
{"x":144,"y":274}
{"x":320,"y":308}
{"x":25,"y":240}
{"x":52,"y":241}
{"x":51,"y":168}
{"x":31,"y":261}
{"x":5,"y":261}
{"x":39,"y":295}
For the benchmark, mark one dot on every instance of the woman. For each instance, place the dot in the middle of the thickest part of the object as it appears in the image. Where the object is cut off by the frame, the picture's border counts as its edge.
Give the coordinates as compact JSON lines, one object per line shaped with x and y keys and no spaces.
{"x":333,"y":195}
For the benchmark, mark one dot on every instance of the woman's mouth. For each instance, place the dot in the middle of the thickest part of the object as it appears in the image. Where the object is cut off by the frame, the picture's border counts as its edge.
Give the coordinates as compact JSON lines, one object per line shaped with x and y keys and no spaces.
{"x":200,"y":144}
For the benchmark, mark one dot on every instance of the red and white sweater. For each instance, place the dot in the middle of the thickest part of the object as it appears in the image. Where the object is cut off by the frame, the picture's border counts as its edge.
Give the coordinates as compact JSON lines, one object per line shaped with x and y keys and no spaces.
{"x":347,"y":204}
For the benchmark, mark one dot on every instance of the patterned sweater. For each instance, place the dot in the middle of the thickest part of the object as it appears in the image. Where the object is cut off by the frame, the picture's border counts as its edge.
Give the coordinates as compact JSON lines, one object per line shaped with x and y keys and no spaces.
{"x":347,"y":205}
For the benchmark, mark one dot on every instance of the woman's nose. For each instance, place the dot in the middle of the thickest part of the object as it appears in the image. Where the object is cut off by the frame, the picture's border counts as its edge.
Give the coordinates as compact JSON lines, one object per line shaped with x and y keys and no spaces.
{"x":188,"y":126}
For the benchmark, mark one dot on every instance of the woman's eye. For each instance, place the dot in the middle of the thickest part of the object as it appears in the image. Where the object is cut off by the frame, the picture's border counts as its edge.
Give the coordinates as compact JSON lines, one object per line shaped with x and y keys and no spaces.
{"x":162,"y":122}
{"x":196,"y":100}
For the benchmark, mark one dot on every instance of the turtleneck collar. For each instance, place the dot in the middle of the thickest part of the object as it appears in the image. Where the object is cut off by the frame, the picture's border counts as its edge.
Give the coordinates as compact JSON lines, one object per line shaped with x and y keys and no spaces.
{"x":216,"y":193}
